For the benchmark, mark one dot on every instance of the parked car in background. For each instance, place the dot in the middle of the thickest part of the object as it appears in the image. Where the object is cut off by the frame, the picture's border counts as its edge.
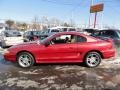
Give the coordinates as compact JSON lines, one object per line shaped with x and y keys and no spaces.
{"x":53,"y":30}
{"x":61,"y":29}
{"x":65,"y":47}
{"x":110,"y":33}
{"x":34,"y":35}
{"x":89,"y":31}
{"x":11,"y":37}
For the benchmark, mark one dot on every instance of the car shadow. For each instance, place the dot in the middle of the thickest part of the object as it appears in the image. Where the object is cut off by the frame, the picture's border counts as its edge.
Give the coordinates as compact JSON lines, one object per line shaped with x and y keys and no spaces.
{"x":61,"y":64}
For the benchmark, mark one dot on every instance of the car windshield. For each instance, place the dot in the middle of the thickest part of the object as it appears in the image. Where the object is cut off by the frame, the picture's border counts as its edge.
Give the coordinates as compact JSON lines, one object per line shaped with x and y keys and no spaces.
{"x":45,"y":39}
{"x":36,"y":33}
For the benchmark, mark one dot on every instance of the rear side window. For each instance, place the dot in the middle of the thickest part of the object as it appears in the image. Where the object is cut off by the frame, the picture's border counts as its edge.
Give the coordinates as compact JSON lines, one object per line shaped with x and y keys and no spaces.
{"x":109,"y":33}
{"x":81,"y":39}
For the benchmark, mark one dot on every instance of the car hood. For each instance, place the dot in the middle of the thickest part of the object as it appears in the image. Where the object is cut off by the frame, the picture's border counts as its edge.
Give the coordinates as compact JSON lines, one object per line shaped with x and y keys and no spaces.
{"x":27,"y":45}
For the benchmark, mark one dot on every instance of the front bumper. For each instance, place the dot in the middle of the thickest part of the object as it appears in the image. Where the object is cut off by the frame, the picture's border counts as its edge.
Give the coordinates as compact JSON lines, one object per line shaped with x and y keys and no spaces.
{"x":9,"y":56}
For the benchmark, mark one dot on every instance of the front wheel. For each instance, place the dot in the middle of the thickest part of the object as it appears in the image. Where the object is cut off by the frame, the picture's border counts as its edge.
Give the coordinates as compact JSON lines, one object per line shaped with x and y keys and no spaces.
{"x":25,"y":60}
{"x":92,"y":59}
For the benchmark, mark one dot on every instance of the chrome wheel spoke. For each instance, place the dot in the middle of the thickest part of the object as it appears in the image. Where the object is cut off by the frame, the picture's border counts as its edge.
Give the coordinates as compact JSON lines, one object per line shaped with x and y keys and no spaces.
{"x":93,"y":60}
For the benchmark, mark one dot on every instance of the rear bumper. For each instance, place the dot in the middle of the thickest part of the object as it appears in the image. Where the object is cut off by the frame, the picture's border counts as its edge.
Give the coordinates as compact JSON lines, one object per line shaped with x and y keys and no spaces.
{"x":109,"y":54}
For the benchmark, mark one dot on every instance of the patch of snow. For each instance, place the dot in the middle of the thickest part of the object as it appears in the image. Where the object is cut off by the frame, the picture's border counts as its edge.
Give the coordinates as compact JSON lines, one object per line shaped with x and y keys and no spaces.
{"x":28,"y":72}
{"x":27,"y":83}
{"x":21,"y":83}
{"x":43,"y":86}
{"x":116,"y":79}
{"x":67,"y":68}
{"x":110,"y":84}
{"x":75,"y":87}
{"x":11,"y":81}
{"x":49,"y":78}
{"x":0,"y":82}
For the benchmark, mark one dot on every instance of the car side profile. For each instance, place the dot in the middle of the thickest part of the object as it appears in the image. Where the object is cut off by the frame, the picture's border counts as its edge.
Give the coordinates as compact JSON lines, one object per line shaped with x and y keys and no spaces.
{"x":33,"y":35}
{"x":64,"y":47}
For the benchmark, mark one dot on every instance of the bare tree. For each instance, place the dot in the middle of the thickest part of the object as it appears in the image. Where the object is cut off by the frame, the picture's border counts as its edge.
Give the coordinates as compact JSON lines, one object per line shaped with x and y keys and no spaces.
{"x":66,"y":24}
{"x":10,"y":23}
{"x":35,"y":23}
{"x":54,"y":22}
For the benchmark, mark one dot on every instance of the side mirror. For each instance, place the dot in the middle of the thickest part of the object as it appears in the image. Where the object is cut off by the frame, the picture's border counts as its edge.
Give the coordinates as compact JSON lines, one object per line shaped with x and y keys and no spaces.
{"x":47,"y":44}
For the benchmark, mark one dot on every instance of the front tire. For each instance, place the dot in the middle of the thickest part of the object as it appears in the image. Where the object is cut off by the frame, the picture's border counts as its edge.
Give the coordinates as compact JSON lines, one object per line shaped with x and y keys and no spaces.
{"x":25,"y":60}
{"x":92,"y":59}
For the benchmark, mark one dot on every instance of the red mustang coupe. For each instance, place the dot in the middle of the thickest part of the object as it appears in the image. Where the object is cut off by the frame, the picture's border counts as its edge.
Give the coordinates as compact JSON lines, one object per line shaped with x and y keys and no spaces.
{"x":65,"y":47}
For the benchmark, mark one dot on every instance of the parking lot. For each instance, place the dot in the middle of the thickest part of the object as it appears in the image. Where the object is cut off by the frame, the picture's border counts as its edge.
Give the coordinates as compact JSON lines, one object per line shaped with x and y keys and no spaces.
{"x":60,"y":77}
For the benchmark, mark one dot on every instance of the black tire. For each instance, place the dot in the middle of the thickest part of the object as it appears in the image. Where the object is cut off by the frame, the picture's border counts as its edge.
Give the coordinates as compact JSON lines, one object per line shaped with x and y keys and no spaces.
{"x":92,"y":59}
{"x":25,"y":60}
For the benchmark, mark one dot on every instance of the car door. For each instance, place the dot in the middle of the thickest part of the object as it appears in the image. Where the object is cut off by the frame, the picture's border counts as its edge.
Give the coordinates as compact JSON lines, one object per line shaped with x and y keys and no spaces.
{"x":60,"y":52}
{"x":82,"y":46}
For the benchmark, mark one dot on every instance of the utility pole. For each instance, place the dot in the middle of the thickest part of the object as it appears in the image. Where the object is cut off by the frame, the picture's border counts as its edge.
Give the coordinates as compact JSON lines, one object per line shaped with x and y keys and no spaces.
{"x":95,"y":19}
{"x":91,"y":3}
{"x":101,"y":19}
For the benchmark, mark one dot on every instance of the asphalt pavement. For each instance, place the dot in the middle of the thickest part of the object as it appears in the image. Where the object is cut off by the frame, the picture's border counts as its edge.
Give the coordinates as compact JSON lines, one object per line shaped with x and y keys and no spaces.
{"x":60,"y":77}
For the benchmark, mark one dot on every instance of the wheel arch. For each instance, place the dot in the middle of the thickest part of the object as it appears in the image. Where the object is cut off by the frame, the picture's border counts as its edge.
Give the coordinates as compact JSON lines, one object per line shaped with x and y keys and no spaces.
{"x":94,"y":51}
{"x":27,"y":52}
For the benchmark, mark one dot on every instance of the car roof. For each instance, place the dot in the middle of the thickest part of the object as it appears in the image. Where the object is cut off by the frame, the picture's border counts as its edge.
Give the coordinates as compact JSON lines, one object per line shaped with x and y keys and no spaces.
{"x":75,"y":33}
{"x":110,"y":30}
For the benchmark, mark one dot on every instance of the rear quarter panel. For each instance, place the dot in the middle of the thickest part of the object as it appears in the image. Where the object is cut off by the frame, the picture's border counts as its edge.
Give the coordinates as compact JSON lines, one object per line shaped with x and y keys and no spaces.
{"x":99,"y":46}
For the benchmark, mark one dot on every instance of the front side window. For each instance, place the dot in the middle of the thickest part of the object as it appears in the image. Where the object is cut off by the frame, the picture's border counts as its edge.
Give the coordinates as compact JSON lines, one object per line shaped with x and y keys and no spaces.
{"x":61,"y":39}
{"x":81,"y":39}
{"x":64,"y":39}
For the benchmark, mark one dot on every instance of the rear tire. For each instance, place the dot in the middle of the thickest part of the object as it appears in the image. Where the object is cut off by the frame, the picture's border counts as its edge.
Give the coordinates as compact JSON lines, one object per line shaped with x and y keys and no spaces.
{"x":25,"y":60}
{"x":92,"y":59}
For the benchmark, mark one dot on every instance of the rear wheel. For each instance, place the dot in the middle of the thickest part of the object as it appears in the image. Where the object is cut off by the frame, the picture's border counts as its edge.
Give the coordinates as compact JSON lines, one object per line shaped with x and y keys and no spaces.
{"x":92,"y":59}
{"x":25,"y":60}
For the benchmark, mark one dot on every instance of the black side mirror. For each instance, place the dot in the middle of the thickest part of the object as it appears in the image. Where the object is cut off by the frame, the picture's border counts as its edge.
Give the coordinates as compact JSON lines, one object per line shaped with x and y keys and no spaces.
{"x":47,"y":44}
